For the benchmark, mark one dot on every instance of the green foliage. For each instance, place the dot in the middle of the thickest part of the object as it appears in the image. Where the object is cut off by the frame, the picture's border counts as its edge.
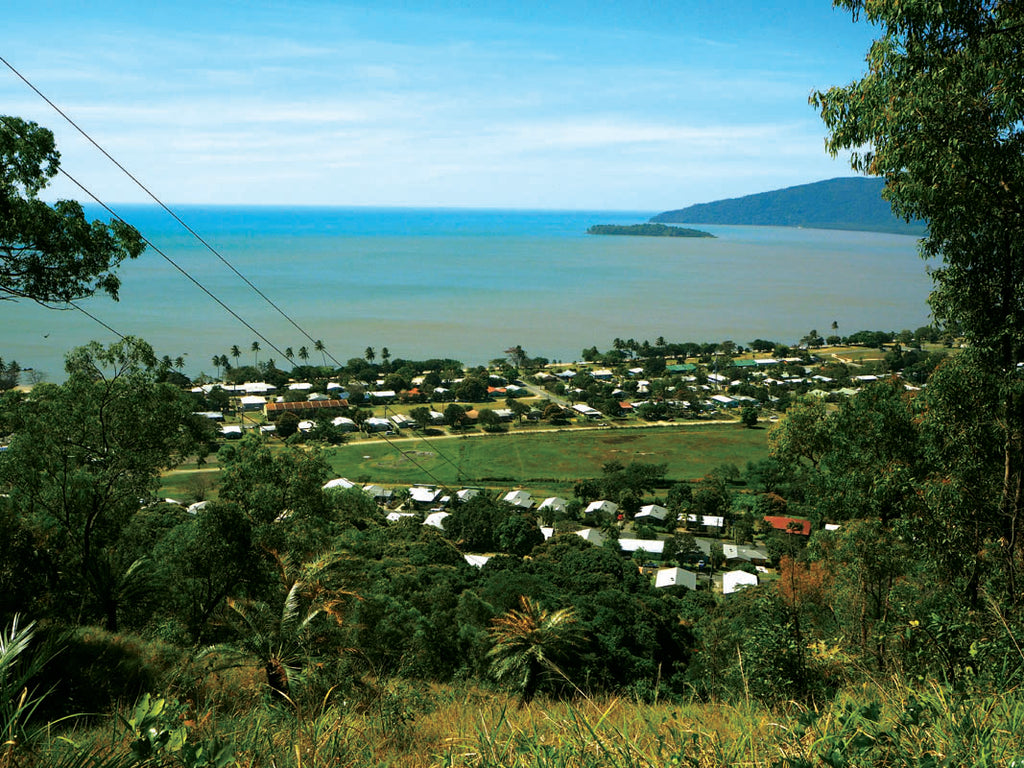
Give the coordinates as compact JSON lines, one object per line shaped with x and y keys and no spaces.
{"x":82,"y":457}
{"x":529,"y":643}
{"x":645,"y":230}
{"x":50,"y":253}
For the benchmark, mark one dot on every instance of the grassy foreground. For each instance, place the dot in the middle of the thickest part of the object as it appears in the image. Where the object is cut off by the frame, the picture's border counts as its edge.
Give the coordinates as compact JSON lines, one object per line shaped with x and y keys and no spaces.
{"x":401,"y":725}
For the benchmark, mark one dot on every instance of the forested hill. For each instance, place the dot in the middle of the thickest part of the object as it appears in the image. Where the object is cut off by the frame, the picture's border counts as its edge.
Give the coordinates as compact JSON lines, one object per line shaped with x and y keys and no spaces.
{"x":846,"y":203}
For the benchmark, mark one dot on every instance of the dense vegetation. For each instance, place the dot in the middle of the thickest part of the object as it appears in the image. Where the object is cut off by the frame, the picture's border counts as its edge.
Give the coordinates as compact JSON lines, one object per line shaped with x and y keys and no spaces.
{"x":645,"y":230}
{"x":845,"y":203}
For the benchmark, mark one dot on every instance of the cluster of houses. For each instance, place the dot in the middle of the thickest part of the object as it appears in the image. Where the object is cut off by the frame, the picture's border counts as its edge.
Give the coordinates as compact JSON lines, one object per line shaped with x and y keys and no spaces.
{"x":431,"y":504}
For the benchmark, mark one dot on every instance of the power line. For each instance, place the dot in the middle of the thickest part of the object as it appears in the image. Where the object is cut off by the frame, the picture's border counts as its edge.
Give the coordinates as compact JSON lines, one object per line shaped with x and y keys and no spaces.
{"x":173,"y":215}
{"x":174,"y":264}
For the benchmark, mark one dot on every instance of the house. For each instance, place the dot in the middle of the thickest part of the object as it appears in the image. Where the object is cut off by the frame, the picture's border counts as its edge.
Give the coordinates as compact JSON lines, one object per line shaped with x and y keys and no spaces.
{"x":592,"y":535}
{"x":734,"y":581}
{"x":652,"y":512}
{"x":585,"y":410}
{"x":376,"y":424}
{"x":344,"y":423}
{"x":478,"y":560}
{"x":436,"y":417}
{"x":394,"y":517}
{"x":789,"y":525}
{"x":401,"y":421}
{"x":555,"y":503}
{"x":602,"y":506}
{"x":252,"y":402}
{"x":675,"y":577}
{"x":436,"y":519}
{"x":378,"y":493}
{"x":231,"y":432}
{"x":520,"y":499}
{"x":424,"y":496}
{"x":300,"y":386}
{"x":466,"y":494}
{"x":340,"y":483}
{"x":650,"y":546}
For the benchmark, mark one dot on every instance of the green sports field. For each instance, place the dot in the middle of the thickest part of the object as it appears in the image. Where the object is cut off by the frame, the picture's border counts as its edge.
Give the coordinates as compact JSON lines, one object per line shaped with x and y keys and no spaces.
{"x":549,"y":460}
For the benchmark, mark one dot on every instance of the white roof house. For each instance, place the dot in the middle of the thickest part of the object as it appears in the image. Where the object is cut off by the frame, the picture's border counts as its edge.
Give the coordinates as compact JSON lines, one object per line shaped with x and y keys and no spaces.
{"x":394,"y":517}
{"x":252,"y":402}
{"x":344,"y":423}
{"x":339,"y":482}
{"x":231,"y":431}
{"x":592,"y":535}
{"x":651,"y":546}
{"x":466,"y":494}
{"x":376,"y":424}
{"x":436,"y":519}
{"x":671,"y":577}
{"x":520,"y":499}
{"x":300,"y":386}
{"x":554,"y":503}
{"x":734,"y":581}
{"x":653,"y":511}
{"x":478,"y":560}
{"x":423,"y":495}
{"x":602,"y":505}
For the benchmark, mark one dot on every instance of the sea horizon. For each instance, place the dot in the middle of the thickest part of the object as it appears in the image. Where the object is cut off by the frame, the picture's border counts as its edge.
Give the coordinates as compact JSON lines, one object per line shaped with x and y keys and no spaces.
{"x":468,"y":283}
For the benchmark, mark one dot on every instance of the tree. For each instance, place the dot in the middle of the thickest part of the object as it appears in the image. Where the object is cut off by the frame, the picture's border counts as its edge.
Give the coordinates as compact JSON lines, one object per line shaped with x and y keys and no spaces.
{"x":51,"y":254}
{"x":303,"y":354}
{"x":256,"y":353}
{"x":748,"y":416}
{"x":369,"y":354}
{"x":9,"y":374}
{"x":82,"y":457}
{"x":529,"y":643}
{"x":385,"y":354}
{"x":940,"y":118}
{"x":235,"y":353}
{"x":319,"y":347}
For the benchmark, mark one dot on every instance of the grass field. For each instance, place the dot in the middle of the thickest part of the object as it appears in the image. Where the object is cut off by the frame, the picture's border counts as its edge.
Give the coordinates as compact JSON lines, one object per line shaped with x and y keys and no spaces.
{"x":550,"y":461}
{"x":544,"y":461}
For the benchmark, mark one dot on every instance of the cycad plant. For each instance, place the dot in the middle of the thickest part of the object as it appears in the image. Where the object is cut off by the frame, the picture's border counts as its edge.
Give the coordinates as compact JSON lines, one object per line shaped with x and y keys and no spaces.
{"x":19,"y":664}
{"x":277,"y":639}
{"x":529,"y":643}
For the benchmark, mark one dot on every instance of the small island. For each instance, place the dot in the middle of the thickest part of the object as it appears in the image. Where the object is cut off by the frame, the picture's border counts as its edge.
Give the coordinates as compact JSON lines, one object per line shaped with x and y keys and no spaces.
{"x":646,"y":230}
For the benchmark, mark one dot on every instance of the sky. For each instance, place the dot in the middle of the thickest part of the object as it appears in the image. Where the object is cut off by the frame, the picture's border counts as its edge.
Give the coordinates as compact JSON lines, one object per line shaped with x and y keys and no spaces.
{"x":557,"y":104}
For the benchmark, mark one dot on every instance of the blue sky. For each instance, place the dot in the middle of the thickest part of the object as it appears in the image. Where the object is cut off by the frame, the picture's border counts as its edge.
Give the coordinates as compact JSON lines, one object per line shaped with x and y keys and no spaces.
{"x":559,"y":104}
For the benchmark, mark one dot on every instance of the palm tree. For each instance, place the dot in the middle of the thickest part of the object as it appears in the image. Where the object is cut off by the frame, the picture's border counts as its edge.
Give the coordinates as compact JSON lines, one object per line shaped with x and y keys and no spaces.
{"x":288,"y":353}
{"x":303,"y":354}
{"x":256,"y":353}
{"x":277,"y":641}
{"x":528,"y":643}
{"x":235,"y":353}
{"x":224,"y":363}
{"x":385,"y":354}
{"x":369,"y":354}
{"x":319,"y":347}
{"x":216,"y":362}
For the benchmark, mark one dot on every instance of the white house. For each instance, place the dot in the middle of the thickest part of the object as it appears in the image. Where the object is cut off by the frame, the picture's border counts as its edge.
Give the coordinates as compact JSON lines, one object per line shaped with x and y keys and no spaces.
{"x":376,"y":424}
{"x":602,"y":505}
{"x":339,"y":482}
{"x":650,"y":546}
{"x":436,"y":519}
{"x":734,"y":581}
{"x":252,"y":402}
{"x":652,"y":512}
{"x":520,"y":499}
{"x":592,"y":535}
{"x":555,"y":503}
{"x":423,"y":495}
{"x":672,"y":577}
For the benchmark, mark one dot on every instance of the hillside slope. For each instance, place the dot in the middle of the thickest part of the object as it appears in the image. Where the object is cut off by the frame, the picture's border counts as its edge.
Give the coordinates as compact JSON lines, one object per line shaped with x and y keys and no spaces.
{"x":853,"y":203}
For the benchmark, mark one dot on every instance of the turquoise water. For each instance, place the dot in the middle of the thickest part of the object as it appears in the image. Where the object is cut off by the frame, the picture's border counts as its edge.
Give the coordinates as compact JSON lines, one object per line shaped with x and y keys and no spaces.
{"x":470,"y":283}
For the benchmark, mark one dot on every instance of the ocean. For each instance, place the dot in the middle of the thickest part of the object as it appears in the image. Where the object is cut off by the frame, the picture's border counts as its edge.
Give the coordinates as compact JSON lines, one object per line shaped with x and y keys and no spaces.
{"x":468,"y":284}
